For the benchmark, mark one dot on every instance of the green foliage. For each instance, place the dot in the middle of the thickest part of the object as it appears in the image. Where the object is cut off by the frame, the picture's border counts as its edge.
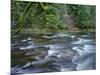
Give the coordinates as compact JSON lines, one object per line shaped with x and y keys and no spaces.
{"x":52,"y":17}
{"x":49,"y":16}
{"x":84,"y":15}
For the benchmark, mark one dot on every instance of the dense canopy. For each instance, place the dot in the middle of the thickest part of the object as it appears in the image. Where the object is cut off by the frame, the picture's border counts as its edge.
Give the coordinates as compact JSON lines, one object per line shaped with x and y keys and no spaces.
{"x":38,"y":16}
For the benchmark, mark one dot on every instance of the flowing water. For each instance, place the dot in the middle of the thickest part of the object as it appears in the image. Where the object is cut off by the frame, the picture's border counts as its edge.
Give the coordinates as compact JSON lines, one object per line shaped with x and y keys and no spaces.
{"x":58,"y":52}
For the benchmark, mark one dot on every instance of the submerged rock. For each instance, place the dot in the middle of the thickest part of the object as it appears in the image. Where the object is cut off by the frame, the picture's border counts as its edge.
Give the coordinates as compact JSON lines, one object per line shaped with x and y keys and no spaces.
{"x":40,"y":66}
{"x":38,"y":53}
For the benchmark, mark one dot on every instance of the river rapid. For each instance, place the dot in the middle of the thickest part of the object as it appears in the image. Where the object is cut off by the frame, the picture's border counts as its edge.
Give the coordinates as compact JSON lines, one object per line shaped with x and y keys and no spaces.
{"x":58,"y":52}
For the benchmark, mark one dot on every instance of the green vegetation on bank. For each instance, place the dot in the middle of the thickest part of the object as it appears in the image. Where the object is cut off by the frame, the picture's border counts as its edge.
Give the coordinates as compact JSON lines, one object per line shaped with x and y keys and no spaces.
{"x":38,"y":17}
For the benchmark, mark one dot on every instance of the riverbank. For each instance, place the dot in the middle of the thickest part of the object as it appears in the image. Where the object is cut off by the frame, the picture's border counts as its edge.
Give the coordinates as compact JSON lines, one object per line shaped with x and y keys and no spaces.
{"x":46,"y":31}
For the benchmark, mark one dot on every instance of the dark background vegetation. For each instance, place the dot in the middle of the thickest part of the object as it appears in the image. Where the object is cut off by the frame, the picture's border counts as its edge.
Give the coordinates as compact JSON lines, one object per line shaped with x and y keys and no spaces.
{"x":38,"y":17}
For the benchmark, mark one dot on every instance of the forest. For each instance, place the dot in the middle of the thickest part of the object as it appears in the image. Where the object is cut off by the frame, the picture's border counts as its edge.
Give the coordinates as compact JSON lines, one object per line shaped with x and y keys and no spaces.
{"x":52,"y":37}
{"x":38,"y":17}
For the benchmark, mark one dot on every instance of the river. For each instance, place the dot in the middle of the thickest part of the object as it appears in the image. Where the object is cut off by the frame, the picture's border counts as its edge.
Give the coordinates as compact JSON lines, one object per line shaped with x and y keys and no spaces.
{"x":58,"y":52}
